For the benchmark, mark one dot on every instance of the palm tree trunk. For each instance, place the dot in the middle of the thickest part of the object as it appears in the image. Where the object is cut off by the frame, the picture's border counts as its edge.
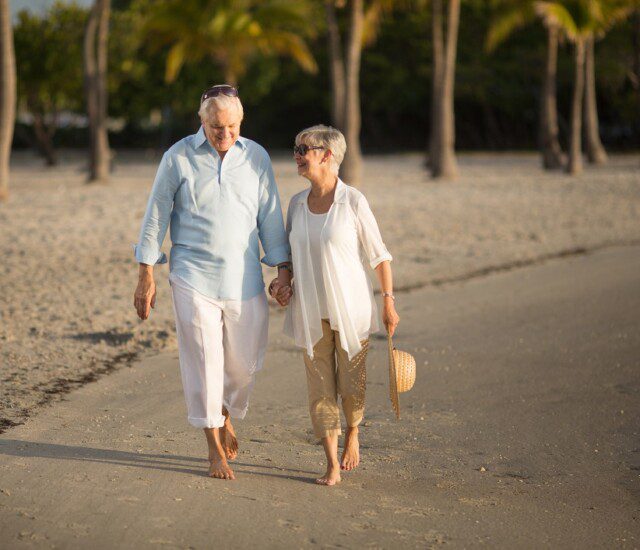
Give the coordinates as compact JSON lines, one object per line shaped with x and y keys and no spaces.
{"x":596,"y":153}
{"x":447,"y":167}
{"x":552,"y":155}
{"x":436,"y":84}
{"x":336,"y":60}
{"x":44,"y":138}
{"x":575,"y":150}
{"x":7,"y":95}
{"x":95,"y":70}
{"x":352,"y":165}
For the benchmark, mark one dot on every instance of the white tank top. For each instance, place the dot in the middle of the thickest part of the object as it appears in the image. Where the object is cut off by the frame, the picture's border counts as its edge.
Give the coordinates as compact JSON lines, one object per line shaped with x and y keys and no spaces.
{"x":315,"y":224}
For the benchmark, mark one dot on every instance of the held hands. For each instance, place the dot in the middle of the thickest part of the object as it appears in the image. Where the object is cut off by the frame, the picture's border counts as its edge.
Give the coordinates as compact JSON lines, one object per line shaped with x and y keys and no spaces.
{"x":280,"y":291}
{"x":145,"y":296}
{"x":390,"y":317}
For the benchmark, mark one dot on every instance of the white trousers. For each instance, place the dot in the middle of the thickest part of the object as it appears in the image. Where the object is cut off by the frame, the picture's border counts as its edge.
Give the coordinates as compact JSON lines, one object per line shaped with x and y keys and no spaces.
{"x":222,"y":344}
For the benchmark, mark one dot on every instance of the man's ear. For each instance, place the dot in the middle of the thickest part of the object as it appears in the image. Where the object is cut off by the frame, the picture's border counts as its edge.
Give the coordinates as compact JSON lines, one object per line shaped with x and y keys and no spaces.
{"x":327,"y":155}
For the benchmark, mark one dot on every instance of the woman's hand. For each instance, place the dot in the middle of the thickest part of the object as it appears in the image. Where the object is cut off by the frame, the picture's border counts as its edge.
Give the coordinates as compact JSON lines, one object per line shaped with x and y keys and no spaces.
{"x":390,"y":317}
{"x":280,"y":292}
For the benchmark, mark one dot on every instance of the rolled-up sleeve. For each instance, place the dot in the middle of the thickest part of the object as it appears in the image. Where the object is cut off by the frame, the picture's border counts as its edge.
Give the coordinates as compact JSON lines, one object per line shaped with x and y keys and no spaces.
{"x":270,"y":223}
{"x":369,"y":235}
{"x":158,"y":213}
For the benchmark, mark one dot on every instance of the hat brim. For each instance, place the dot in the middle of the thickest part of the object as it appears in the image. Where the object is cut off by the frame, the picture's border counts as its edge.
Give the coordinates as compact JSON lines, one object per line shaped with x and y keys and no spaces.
{"x":393,"y":388}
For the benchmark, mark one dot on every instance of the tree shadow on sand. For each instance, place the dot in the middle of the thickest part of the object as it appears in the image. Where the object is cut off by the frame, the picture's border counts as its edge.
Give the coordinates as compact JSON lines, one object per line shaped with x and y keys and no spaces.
{"x":164,"y":461}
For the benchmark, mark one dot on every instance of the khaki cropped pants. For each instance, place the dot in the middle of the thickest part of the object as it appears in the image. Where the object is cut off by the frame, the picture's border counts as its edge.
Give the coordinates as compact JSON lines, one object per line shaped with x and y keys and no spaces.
{"x":330,"y":373}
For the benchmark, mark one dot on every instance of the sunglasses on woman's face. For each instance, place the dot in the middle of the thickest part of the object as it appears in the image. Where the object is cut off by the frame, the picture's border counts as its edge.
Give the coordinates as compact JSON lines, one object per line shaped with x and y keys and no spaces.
{"x":220,"y":89}
{"x":304,"y":149}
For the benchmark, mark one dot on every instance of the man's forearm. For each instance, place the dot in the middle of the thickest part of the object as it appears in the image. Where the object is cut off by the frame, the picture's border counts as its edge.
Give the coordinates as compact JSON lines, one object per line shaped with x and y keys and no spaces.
{"x":145,"y":271}
{"x":284,"y":273}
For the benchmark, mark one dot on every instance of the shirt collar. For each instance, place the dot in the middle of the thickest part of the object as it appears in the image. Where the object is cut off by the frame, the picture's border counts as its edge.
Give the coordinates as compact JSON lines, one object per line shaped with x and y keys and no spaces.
{"x":340,"y":196}
{"x":201,"y":138}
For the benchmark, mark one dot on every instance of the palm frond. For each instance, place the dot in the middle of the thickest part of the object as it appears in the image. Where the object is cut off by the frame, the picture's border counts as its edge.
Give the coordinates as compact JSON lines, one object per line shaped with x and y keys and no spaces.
{"x":555,"y":13}
{"x":506,"y":21}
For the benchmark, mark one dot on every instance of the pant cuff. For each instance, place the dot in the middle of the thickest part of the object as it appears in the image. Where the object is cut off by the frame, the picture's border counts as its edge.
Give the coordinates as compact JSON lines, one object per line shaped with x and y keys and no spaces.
{"x":321,"y":433}
{"x":237,"y":413}
{"x":355,"y":421}
{"x":211,"y":422}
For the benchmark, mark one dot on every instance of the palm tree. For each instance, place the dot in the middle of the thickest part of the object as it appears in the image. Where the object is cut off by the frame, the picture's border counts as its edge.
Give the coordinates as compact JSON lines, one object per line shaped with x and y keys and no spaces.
{"x":580,"y":21}
{"x":336,"y":65}
{"x":574,"y":19}
{"x":610,"y":12}
{"x":7,"y":95}
{"x":230,"y":32}
{"x":352,"y":164}
{"x":596,"y":153}
{"x":511,"y":15}
{"x":443,"y":160}
{"x":95,"y":74}
{"x":364,"y":24}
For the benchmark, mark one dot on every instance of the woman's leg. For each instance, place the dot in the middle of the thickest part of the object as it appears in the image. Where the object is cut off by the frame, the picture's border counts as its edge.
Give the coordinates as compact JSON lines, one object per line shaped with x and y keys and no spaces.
{"x":323,"y":405}
{"x":352,"y":382}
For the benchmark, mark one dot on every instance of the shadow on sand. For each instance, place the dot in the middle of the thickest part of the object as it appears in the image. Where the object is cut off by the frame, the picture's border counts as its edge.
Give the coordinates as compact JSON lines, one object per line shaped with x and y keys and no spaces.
{"x":164,"y":462}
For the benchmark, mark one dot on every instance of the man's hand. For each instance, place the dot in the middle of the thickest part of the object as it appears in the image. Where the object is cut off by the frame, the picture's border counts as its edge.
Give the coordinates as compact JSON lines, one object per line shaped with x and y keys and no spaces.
{"x":145,"y":296}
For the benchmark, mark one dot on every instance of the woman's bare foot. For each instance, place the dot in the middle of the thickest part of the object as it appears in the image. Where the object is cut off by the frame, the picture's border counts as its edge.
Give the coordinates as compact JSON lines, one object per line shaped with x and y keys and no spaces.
{"x":228,"y":438}
{"x":218,"y":466}
{"x":331,"y":476}
{"x":351,"y":453}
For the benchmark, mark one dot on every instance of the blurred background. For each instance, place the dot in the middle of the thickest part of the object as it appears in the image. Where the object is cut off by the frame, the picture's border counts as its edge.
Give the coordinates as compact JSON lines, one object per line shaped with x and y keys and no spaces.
{"x":295,"y":61}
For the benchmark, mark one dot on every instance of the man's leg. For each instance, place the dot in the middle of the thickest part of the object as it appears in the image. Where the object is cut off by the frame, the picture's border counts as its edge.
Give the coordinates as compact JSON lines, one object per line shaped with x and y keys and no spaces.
{"x":199,"y":331}
{"x":245,"y":327}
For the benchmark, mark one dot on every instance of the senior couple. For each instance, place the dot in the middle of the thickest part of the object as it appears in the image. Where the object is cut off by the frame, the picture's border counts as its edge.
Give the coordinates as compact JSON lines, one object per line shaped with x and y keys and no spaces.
{"x":217,"y":193}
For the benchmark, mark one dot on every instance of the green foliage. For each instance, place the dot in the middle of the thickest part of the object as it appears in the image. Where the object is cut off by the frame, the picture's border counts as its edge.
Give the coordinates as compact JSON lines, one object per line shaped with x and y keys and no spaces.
{"x":49,"y":58}
{"x":230,"y":33}
{"x":496,"y":94}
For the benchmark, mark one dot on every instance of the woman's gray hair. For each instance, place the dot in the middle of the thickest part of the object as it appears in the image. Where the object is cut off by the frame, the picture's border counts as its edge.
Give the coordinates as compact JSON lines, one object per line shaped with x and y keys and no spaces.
{"x":327,"y":137}
{"x":219,"y":103}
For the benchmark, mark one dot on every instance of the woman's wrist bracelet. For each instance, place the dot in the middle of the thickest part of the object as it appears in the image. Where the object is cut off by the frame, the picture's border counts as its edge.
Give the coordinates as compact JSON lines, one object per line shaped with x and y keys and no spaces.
{"x":388,"y":295}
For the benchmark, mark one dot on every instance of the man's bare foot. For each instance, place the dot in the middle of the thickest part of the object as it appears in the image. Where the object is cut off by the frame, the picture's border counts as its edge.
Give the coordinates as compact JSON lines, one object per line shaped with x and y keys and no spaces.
{"x":228,"y":439}
{"x":219,"y":468}
{"x":331,"y":476}
{"x":351,"y":453}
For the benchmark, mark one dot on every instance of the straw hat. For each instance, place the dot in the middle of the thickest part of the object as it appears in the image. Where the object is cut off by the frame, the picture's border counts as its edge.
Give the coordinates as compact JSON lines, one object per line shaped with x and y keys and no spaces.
{"x":402,"y":374}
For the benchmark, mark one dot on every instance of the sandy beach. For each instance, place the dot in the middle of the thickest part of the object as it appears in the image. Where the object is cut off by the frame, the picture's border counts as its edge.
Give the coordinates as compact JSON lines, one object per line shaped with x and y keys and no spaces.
{"x":68,"y":274}
{"x":520,"y":432}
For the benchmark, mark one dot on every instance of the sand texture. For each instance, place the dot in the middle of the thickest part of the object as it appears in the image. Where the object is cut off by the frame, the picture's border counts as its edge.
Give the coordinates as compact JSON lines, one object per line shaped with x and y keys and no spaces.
{"x":520,"y":432}
{"x":68,"y":273}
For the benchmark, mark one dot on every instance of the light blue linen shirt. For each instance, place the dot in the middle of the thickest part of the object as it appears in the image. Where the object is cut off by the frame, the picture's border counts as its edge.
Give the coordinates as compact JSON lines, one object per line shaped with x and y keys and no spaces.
{"x":218,"y":209}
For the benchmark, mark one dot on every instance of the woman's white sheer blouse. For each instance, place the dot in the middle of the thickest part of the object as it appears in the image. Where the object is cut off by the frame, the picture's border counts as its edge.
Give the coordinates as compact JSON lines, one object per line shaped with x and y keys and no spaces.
{"x":350,"y":237}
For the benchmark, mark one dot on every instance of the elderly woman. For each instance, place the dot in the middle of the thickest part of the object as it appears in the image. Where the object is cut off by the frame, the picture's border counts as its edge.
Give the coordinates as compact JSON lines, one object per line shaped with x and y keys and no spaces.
{"x":332,"y":311}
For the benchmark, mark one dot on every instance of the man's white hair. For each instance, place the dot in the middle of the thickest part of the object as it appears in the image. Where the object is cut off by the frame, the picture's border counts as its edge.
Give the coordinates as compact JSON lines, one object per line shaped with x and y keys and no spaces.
{"x":327,"y":137}
{"x":219,"y":103}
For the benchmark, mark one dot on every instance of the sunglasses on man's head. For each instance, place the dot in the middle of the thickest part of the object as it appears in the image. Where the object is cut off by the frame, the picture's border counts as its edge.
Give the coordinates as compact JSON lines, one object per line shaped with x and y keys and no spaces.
{"x":220,"y":89}
{"x":304,"y":149}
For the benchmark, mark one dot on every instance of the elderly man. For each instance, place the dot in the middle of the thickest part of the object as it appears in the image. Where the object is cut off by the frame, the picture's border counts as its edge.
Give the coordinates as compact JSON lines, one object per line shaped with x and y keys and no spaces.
{"x":218,"y":190}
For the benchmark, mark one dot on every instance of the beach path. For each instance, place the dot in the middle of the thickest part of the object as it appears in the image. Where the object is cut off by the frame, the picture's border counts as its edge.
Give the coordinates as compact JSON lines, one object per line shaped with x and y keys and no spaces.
{"x":521,"y":431}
